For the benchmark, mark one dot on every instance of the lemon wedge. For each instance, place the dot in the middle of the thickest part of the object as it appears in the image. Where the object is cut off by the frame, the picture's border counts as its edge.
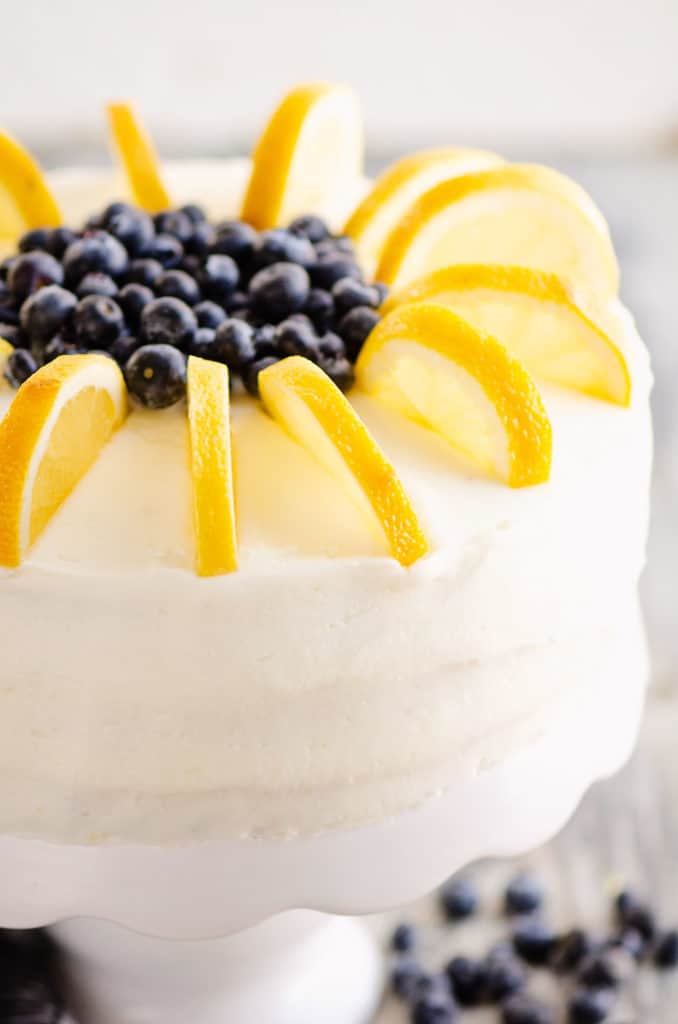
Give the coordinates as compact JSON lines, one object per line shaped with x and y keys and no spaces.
{"x":138,"y":158}
{"x":25,"y":197}
{"x":309,"y":152}
{"x":399,"y":186}
{"x":211,"y":467}
{"x":303,"y":400}
{"x":54,"y":430}
{"x":436,"y":368}
{"x":538,"y":316}
{"x":522,"y":215}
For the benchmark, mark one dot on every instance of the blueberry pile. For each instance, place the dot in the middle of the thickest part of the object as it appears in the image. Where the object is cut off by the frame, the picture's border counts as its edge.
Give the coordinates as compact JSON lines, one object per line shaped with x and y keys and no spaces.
{"x":591,"y":970}
{"x":29,"y":991}
{"x":149,"y":291}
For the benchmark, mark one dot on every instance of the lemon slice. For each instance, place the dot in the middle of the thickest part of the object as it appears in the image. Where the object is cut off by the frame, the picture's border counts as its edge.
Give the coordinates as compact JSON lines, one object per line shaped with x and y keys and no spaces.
{"x":5,"y":352}
{"x":138,"y":157}
{"x":538,"y":316}
{"x":211,"y":469}
{"x":399,"y":186}
{"x":55,"y":428}
{"x":25,"y":197}
{"x":309,"y":152}
{"x":304,"y":400}
{"x":436,"y":368}
{"x":522,"y":215}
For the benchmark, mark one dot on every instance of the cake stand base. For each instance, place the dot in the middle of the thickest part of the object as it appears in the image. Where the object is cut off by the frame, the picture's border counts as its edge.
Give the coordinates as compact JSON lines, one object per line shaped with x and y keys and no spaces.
{"x":297,"y":968}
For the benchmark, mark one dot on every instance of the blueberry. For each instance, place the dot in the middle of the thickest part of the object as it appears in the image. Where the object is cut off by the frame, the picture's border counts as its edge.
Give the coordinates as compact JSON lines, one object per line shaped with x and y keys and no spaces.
{"x":600,"y":971}
{"x":236,"y":239}
{"x":468,"y":979}
{"x":296,"y":338}
{"x":97,"y":252}
{"x":633,"y":913}
{"x":20,"y":365}
{"x":279,"y":290}
{"x":33,"y":270}
{"x":29,"y":999}
{"x":319,"y":306}
{"x":46,"y":311}
{"x":8,"y":315}
{"x":381,"y":289}
{"x":331,"y":267}
{"x":572,"y":948}
{"x":133,"y":299}
{"x":12,"y":334}
{"x":133,"y":228}
{"x":332,"y":346}
{"x":405,"y":976}
{"x":404,"y":938}
{"x":97,"y":321}
{"x":666,"y":952}
{"x":238,"y":300}
{"x":38,"y":238}
{"x":209,"y":314}
{"x":175,"y":223}
{"x":311,"y":227}
{"x":281,"y":246}
{"x":178,"y":284}
{"x":523,"y":895}
{"x":458,"y":899}
{"x":6,"y":266}
{"x":590,"y":1006}
{"x":523,"y":1009}
{"x":433,"y":1009}
{"x":59,"y":240}
{"x":336,"y":245}
{"x":112,"y":210}
{"x":168,"y":322}
{"x":201,"y":240}
{"x":534,"y":941}
{"x":166,"y":249}
{"x":219,"y":277}
{"x":97,"y":284}
{"x":265,"y":343}
{"x":355,"y":328}
{"x":123,"y":347}
{"x":252,"y":371}
{"x":191,"y":265}
{"x":203,"y":344}
{"x":505,"y":975}
{"x":58,"y":346}
{"x":195,"y":213}
{"x":631,"y":941}
{"x":234,"y":344}
{"x":156,"y":375}
{"x":146,"y":272}
{"x":348,"y":293}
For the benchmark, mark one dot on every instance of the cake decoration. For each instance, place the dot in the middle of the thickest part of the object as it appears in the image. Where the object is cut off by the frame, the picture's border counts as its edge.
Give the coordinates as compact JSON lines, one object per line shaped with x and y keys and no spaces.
{"x":137,"y":155}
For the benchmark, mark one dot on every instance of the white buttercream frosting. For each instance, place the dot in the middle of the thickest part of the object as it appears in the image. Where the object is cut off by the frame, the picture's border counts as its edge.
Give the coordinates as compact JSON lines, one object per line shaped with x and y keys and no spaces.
{"x":322,"y":685}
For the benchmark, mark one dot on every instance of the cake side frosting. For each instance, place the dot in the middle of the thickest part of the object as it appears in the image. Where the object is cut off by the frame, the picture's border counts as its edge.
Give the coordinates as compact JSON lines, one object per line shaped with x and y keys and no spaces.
{"x":322,"y":686}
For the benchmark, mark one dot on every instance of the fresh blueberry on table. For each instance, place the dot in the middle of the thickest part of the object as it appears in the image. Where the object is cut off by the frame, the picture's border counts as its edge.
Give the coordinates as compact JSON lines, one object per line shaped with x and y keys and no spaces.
{"x":209,"y":314}
{"x":666,"y":952}
{"x":234,"y":344}
{"x":144,"y":271}
{"x":168,"y":321}
{"x":523,"y":895}
{"x":458,"y":899}
{"x":236,"y":239}
{"x":332,"y":267}
{"x":37,"y":238}
{"x":133,"y":228}
{"x":434,"y":1008}
{"x":534,"y":941}
{"x":58,"y":346}
{"x":219,"y":278}
{"x":195,"y":213}
{"x":406,"y":975}
{"x":468,"y":979}
{"x":202,"y":344}
{"x":296,"y":337}
{"x":633,"y":913}
{"x":31,"y":271}
{"x":404,"y":938}
{"x":46,"y":311}
{"x":167,"y":250}
{"x":156,"y":375}
{"x":252,"y":371}
{"x":98,"y":252}
{"x":600,"y":971}
{"x":590,"y":1006}
{"x":174,"y":222}
{"x":279,"y":290}
{"x":179,"y":285}
{"x":123,"y":347}
{"x":59,"y":240}
{"x":505,"y":974}
{"x":319,"y":307}
{"x":133,"y":299}
{"x":281,"y":246}
{"x":310,"y":226}
{"x":339,"y":370}
{"x":355,"y":328}
{"x":348,"y":293}
{"x":97,"y":321}
{"x":573,"y":947}
{"x":97,"y":283}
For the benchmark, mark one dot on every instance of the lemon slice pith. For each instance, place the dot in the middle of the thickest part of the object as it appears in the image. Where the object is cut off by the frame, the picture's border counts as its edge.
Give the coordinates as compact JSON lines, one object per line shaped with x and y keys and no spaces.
{"x":524,"y":215}
{"x":134,"y":147}
{"x":211,"y":467}
{"x":540,"y":319}
{"x":310,"y":148}
{"x":26,"y":200}
{"x":436,"y":368}
{"x":55,"y":428}
{"x":399,"y":186}
{"x":312,"y":409}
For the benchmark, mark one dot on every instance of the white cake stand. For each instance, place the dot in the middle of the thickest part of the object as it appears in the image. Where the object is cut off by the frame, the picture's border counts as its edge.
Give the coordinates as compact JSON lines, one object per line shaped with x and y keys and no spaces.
{"x":215,"y":933}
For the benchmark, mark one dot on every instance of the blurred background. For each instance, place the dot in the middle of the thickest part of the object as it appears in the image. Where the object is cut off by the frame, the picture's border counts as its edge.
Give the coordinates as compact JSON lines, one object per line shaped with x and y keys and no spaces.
{"x":590,"y":86}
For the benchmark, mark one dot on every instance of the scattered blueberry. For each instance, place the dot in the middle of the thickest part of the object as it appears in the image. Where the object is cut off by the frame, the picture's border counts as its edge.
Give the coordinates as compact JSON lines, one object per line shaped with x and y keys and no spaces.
{"x":20,"y":365}
{"x":33,"y":270}
{"x":201,"y":240}
{"x":238,"y":300}
{"x":590,"y":1006}
{"x":133,"y":228}
{"x":168,"y":322}
{"x":178,"y":284}
{"x":572,"y":948}
{"x":666,"y":952}
{"x":458,"y":899}
{"x":174,"y":222}
{"x":311,"y":227}
{"x":405,"y":977}
{"x":279,"y":290}
{"x":156,"y":375}
{"x":404,"y":938}
{"x":252,"y":371}
{"x":319,"y":307}
{"x":281,"y":246}
{"x":195,"y":213}
{"x":144,"y":271}
{"x":37,"y":238}
{"x":523,"y":1009}
{"x":97,"y":321}
{"x":166,"y":249}
{"x":523,"y":895}
{"x":219,"y":277}
{"x":633,"y":913}
{"x":504,"y":975}
{"x":98,"y":252}
{"x":234,"y":344}
{"x":203,"y":344}
{"x":534,"y":941}
{"x":133,"y":299}
{"x":355,"y":327}
{"x":329,"y":269}
{"x":265,"y":341}
{"x":12,"y":334}
{"x":348,"y":293}
{"x":209,"y":314}
{"x":46,"y":311}
{"x":599,"y":971}
{"x":235,"y":239}
{"x":331,"y":345}
{"x":123,"y":347}
{"x":468,"y":979}
{"x":97,"y":283}
{"x":631,"y":941}
{"x":294,"y":337}
{"x":59,"y":240}
{"x":433,"y":1009}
